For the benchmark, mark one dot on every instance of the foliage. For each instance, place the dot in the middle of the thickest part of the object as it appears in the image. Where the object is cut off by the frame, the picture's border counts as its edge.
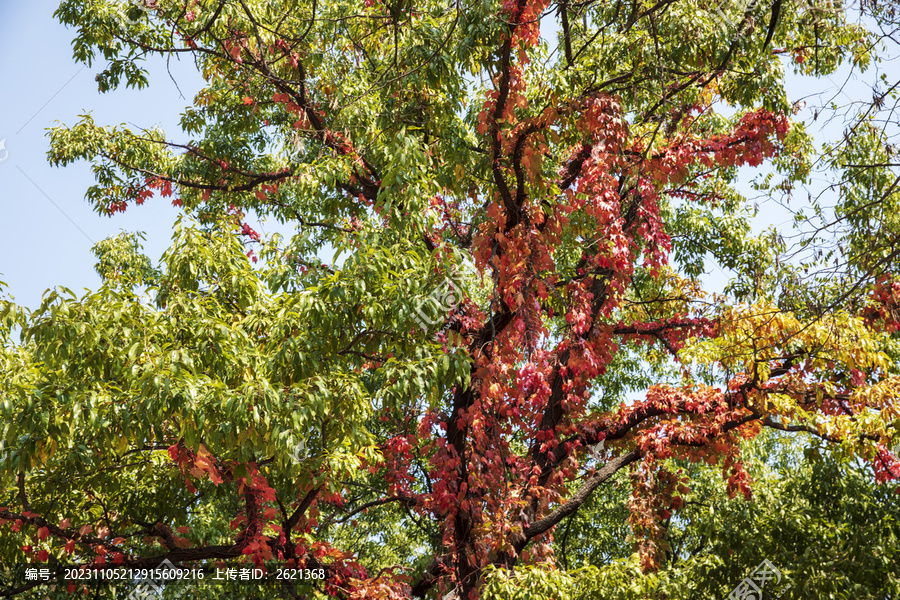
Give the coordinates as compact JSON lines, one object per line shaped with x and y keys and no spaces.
{"x":816,"y":514}
{"x":491,"y":315}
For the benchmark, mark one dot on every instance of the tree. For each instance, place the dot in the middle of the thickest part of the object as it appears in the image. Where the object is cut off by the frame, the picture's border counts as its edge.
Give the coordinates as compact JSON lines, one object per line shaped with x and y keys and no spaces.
{"x":821,"y":518}
{"x":513,"y":314}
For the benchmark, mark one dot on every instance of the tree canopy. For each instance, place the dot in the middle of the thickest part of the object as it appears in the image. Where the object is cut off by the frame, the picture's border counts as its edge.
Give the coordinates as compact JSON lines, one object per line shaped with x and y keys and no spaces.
{"x":488,"y":362}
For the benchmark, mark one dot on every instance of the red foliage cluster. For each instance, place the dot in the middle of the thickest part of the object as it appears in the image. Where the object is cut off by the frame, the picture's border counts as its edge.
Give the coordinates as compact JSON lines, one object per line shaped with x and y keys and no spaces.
{"x":883,"y":310}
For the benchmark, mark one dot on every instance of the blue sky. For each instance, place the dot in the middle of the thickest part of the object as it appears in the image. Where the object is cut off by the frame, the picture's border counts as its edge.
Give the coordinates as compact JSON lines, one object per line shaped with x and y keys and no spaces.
{"x":49,"y":227}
